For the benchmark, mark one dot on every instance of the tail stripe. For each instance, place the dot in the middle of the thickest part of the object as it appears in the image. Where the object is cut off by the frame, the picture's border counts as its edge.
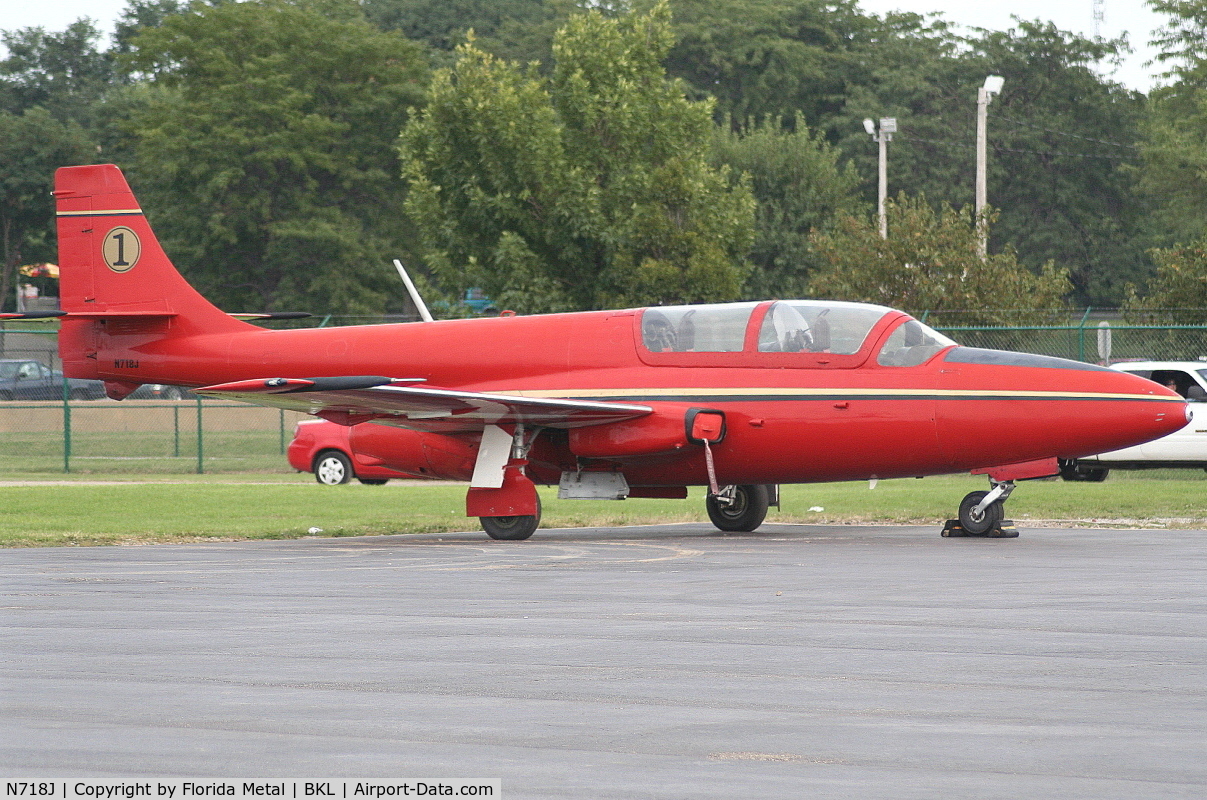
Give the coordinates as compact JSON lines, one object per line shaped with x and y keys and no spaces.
{"x":121,"y":212}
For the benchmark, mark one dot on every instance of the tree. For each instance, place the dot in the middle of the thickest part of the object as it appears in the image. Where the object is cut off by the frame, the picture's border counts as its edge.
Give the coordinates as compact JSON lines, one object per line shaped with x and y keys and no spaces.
{"x":32,"y":146}
{"x":63,"y":72}
{"x":1177,"y":292}
{"x":930,"y":262}
{"x":265,"y":150}
{"x":799,"y":187}
{"x":518,"y":29}
{"x":587,"y":189}
{"x":768,"y":58}
{"x":1175,"y":145}
{"x":1061,"y":141}
{"x":140,"y":14}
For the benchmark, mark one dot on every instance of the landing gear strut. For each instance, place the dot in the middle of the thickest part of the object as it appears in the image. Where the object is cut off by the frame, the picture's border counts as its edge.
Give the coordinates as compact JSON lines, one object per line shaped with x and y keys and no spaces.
{"x":982,"y":514}
{"x":500,"y":494}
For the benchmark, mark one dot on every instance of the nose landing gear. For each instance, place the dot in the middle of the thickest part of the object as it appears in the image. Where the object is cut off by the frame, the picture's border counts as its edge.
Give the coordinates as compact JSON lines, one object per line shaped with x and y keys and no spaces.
{"x":982,"y":514}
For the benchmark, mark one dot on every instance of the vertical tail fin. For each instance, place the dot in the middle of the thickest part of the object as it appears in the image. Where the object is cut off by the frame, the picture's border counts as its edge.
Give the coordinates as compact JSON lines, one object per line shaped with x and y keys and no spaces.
{"x":113,"y":274}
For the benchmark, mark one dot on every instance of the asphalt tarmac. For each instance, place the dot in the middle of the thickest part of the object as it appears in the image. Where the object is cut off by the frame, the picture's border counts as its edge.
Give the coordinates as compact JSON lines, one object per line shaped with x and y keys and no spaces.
{"x":649,"y":662}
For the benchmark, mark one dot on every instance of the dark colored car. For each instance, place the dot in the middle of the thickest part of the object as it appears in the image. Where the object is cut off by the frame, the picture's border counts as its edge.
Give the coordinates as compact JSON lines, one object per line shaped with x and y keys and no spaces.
{"x":322,"y":447}
{"x":26,"y":379}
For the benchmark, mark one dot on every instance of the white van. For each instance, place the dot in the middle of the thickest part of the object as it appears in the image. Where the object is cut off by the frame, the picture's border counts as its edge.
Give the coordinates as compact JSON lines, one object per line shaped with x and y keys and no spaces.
{"x":1184,"y":448}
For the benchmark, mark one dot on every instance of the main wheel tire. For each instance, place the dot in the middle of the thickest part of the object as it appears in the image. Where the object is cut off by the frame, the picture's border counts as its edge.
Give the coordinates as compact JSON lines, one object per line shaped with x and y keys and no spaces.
{"x":745,"y":513}
{"x":980,"y":523}
{"x":510,"y":529}
{"x":331,"y":468}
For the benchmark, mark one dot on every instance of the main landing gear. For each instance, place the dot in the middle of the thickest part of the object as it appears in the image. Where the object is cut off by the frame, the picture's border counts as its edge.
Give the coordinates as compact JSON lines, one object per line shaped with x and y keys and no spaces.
{"x":982,"y":514}
{"x":513,"y":528}
{"x":739,"y":508}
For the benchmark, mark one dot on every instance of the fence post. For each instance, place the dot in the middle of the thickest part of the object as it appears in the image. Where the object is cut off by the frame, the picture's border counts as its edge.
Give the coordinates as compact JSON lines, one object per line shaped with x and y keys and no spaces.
{"x":1081,"y":333}
{"x":66,"y":427}
{"x":200,"y":441}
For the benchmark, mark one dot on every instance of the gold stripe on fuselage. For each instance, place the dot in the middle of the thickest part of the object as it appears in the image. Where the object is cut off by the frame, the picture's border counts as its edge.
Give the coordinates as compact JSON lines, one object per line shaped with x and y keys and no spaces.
{"x":806,"y":393}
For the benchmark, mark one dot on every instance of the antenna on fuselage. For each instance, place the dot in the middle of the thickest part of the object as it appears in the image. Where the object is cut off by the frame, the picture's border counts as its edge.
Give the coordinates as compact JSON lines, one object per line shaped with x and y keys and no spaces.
{"x":415,"y":298}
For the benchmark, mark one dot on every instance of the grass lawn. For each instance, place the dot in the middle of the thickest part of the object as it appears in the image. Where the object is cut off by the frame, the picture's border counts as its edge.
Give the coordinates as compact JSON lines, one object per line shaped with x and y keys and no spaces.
{"x":58,"y":509}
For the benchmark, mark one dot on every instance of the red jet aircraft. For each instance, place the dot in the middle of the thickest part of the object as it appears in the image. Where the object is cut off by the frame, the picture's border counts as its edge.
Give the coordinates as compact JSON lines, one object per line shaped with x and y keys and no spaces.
{"x":739,"y":397}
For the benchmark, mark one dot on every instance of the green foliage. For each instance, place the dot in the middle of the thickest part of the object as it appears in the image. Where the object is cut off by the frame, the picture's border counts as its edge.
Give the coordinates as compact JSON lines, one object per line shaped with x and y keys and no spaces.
{"x":1183,"y":39}
{"x":1175,"y":144}
{"x":930,"y":261}
{"x":587,"y":189}
{"x":1060,"y":137}
{"x":63,"y":72}
{"x":264,"y":150}
{"x":1178,"y":291}
{"x":140,"y":14}
{"x":32,"y":146}
{"x":799,"y":187}
{"x":515,"y":29}
{"x":1064,"y":144}
{"x":768,"y":58}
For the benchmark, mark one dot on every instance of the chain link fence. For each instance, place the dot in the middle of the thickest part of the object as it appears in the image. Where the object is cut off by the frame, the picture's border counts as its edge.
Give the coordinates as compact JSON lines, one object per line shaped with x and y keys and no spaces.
{"x":208,"y":436}
{"x":134,"y":436}
{"x":143,"y":437}
{"x":1096,"y":338}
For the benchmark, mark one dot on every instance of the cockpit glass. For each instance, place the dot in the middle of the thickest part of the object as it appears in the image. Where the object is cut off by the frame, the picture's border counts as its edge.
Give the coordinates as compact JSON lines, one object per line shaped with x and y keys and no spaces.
{"x":911,"y":344}
{"x":814,"y":326}
{"x":696,"y":329}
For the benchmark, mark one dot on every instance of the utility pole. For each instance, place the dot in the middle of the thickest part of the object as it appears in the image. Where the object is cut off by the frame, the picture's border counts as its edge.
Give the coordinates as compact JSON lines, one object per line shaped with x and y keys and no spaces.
{"x":993,"y":85}
{"x":888,"y":126}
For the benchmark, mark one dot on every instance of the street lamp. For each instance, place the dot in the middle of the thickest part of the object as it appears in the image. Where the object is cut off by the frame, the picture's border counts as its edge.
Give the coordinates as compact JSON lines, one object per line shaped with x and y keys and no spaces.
{"x":888,"y":126}
{"x":993,"y":85}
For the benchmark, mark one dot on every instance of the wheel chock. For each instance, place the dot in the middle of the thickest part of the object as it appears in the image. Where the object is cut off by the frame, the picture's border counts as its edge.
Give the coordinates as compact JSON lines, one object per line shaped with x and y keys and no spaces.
{"x":1003,"y":530}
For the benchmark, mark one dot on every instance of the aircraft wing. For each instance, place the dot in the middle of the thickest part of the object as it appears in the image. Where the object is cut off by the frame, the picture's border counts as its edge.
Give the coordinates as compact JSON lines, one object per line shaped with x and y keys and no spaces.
{"x":352,"y":399}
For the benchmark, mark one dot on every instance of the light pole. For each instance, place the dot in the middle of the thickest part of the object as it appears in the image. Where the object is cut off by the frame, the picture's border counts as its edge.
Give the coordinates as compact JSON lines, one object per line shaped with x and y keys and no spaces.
{"x":993,"y":85}
{"x":888,"y":126}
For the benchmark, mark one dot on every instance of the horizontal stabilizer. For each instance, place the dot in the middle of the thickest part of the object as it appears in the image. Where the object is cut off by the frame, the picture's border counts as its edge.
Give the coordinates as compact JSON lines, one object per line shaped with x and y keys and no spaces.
{"x":32,"y":314}
{"x":258,"y":315}
{"x":119,"y":314}
{"x":358,"y":399}
{"x":288,"y":385}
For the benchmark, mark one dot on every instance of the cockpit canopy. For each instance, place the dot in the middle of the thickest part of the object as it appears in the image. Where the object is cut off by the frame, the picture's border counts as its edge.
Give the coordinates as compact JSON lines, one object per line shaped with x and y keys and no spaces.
{"x":802,"y":332}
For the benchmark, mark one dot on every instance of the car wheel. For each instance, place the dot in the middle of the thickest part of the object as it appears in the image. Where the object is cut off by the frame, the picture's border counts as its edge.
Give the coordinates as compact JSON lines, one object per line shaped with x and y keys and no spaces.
{"x":331,"y":468}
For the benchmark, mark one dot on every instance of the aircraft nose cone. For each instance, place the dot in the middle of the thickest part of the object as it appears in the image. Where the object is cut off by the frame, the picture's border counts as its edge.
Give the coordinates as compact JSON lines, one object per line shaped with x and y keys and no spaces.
{"x":1121,"y":410}
{"x":1033,"y":407}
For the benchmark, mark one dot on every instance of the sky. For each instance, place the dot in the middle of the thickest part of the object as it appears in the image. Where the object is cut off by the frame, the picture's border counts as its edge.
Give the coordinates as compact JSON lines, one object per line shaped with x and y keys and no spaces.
{"x":1132,"y":17}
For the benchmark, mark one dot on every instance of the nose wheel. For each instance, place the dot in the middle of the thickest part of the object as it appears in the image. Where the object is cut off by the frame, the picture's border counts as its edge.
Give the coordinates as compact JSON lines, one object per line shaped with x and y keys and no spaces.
{"x":983,"y":514}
